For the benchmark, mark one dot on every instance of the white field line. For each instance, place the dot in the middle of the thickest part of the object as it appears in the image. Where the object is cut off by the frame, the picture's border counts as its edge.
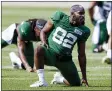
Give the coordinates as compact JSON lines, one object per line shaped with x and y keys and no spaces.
{"x":101,"y":78}
{"x":74,"y":58}
{"x":49,"y":68}
{"x":99,"y":74}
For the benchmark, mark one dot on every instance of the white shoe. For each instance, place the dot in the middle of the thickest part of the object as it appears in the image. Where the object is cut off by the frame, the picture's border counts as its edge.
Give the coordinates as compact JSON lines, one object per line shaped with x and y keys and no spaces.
{"x":15,"y":66}
{"x":106,"y":59}
{"x":39,"y":84}
{"x":58,"y":78}
{"x":15,"y":60}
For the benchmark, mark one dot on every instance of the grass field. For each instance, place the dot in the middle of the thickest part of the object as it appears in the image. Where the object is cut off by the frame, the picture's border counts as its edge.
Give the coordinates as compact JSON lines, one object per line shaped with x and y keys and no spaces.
{"x":99,"y":75}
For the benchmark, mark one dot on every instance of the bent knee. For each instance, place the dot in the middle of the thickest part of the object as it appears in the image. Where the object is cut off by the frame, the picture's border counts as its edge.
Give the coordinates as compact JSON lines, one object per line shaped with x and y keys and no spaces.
{"x":75,"y":83}
{"x":39,"y":50}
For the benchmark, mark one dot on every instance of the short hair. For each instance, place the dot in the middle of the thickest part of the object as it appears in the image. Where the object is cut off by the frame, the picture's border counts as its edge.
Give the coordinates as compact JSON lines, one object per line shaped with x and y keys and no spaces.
{"x":40,"y":23}
{"x":76,"y":8}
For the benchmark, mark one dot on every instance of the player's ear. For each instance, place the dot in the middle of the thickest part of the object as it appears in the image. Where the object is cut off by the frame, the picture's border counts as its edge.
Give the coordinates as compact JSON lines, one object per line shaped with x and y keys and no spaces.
{"x":35,"y":28}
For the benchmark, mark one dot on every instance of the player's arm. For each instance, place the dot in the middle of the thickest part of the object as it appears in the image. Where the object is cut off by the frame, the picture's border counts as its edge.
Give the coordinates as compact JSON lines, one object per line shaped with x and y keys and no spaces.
{"x":91,"y":9}
{"x":21,"y":47}
{"x":45,"y":30}
{"x":82,"y":61}
{"x":50,"y":23}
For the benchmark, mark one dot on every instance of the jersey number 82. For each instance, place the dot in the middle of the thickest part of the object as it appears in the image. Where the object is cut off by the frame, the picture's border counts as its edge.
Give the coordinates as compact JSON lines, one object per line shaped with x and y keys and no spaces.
{"x":63,"y":38}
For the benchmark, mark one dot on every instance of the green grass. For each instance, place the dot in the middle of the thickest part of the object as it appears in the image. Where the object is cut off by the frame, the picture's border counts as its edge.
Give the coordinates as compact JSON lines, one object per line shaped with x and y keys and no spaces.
{"x":99,"y":75}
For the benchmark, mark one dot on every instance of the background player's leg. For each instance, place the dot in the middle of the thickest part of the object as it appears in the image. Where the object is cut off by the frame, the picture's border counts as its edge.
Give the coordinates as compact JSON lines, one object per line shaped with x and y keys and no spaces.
{"x":3,"y":43}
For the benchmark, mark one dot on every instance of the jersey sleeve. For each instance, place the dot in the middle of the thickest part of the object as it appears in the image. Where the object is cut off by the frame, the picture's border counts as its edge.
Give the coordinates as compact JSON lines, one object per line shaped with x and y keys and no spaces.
{"x":85,"y":35}
{"x":21,"y":32}
{"x":56,"y":17}
{"x":25,"y":31}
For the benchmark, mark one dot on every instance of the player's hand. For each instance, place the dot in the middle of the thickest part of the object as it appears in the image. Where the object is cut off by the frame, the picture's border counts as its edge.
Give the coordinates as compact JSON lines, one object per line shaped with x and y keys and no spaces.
{"x":29,"y":69}
{"x":45,"y":44}
{"x":84,"y":82}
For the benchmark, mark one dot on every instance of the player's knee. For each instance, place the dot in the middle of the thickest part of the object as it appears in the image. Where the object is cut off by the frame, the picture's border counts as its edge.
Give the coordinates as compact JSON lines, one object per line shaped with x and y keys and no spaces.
{"x":73,"y":79}
{"x":39,"y":51}
{"x":76,"y":83}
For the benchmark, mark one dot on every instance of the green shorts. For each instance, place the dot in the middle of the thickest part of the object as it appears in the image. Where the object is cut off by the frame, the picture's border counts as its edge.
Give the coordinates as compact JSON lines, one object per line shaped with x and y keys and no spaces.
{"x":65,"y":65}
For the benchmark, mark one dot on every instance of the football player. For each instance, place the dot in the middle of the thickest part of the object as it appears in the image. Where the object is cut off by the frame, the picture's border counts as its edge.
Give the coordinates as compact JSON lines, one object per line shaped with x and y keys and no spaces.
{"x":22,"y":35}
{"x":98,"y":12}
{"x":108,"y":58}
{"x":56,"y":51}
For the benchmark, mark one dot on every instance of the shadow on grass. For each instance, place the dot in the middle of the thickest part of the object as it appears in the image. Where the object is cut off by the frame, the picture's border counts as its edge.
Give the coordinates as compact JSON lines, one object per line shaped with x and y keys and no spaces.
{"x":85,"y":86}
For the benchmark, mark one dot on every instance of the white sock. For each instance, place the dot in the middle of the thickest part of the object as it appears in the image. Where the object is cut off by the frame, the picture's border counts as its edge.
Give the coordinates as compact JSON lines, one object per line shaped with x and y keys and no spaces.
{"x":40,"y":73}
{"x":109,"y":53}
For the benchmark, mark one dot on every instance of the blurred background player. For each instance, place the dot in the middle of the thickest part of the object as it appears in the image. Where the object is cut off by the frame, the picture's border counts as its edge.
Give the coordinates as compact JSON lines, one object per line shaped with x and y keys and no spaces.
{"x":108,"y":57}
{"x":98,"y":12}
{"x":22,"y":35}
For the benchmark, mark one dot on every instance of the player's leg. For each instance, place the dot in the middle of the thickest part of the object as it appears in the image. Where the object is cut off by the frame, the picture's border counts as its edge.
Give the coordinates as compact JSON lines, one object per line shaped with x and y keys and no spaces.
{"x":69,"y":72}
{"x":48,"y":55}
{"x":42,"y":56}
{"x":96,"y":33}
{"x":109,"y":28}
{"x":7,"y":35}
{"x":103,"y":33}
{"x":3,"y":43}
{"x":108,"y":58}
{"x":39,"y":64}
{"x":100,"y":36}
{"x":100,"y":33}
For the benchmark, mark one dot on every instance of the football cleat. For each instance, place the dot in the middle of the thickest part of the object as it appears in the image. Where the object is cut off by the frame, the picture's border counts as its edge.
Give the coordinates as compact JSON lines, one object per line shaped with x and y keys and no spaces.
{"x":15,"y":66}
{"x":107,"y":60}
{"x":15,"y":60}
{"x":39,"y":84}
{"x":57,"y":78}
{"x":98,"y":49}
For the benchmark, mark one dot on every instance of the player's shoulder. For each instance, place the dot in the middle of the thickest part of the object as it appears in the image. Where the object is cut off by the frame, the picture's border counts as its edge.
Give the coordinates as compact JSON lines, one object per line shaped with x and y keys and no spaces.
{"x":85,"y":29}
{"x":57,"y":15}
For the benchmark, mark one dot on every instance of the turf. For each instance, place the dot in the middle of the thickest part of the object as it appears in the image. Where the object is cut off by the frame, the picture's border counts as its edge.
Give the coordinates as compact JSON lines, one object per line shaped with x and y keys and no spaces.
{"x":98,"y":74}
